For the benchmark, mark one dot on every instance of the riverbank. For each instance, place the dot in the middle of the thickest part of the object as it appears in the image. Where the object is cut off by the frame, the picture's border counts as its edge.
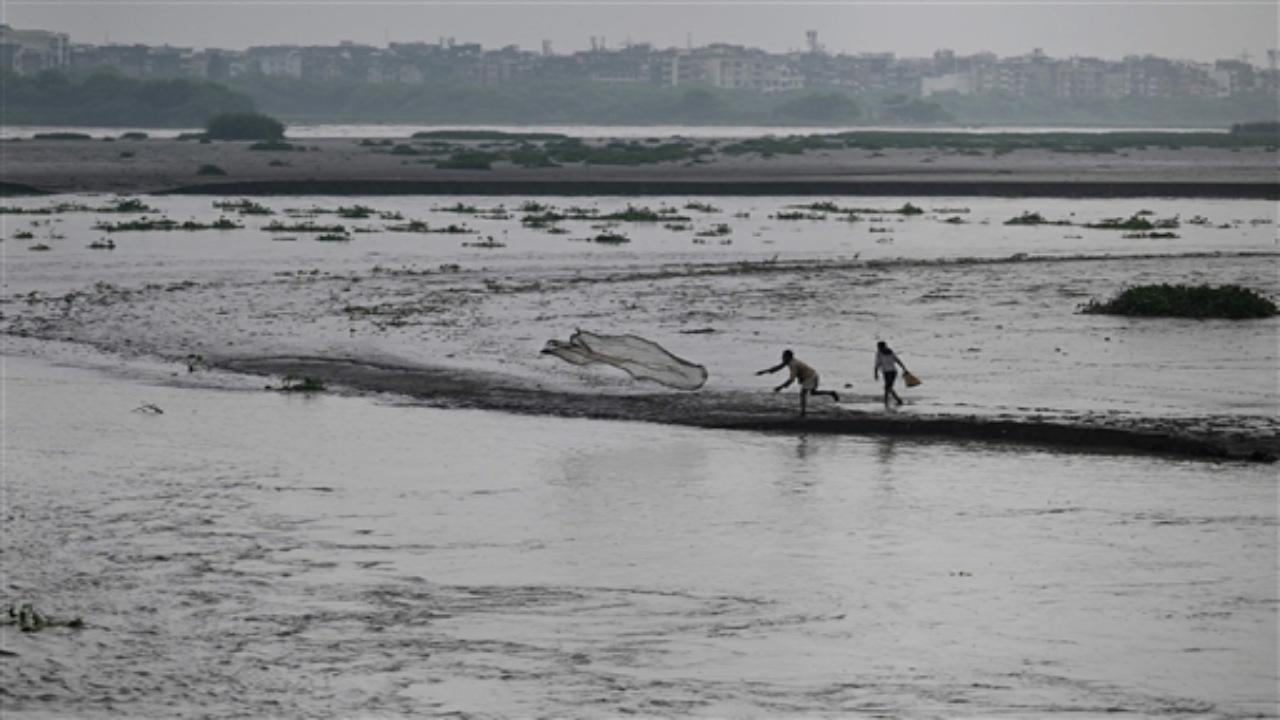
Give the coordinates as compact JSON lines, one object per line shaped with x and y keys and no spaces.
{"x":349,"y":167}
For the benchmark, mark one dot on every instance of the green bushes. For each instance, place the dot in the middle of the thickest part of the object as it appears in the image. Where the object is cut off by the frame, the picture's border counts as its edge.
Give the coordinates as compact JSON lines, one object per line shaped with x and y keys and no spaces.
{"x":244,"y":126}
{"x":108,"y":99}
{"x":276,"y":146}
{"x":468,"y":160}
{"x":207,"y":169}
{"x":1186,"y":301}
{"x":61,"y":136}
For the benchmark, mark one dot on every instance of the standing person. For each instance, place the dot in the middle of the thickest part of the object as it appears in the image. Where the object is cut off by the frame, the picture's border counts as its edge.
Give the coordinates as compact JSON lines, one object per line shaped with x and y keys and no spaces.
{"x":887,"y":364}
{"x":807,"y":376}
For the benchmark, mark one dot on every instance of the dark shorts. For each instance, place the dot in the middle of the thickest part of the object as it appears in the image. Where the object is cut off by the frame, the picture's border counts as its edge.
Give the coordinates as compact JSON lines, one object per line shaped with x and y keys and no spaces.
{"x":889,"y":377}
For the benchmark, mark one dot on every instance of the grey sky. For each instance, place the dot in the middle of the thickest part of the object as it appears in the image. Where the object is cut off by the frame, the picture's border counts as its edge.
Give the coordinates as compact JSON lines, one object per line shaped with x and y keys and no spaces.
{"x":1200,"y":31}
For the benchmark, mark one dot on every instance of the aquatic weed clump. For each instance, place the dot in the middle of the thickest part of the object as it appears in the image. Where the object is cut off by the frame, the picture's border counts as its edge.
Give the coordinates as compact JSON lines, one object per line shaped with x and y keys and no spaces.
{"x":1231,"y":302}
{"x":28,"y":619}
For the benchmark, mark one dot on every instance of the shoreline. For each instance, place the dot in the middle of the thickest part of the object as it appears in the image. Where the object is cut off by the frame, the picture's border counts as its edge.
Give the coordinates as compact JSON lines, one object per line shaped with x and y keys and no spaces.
{"x":728,"y":410}
{"x":675,"y":186}
{"x":350,"y":166}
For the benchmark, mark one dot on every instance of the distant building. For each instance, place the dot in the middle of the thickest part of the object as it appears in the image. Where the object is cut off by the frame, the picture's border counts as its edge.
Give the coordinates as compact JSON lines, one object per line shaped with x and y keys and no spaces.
{"x":27,"y":52}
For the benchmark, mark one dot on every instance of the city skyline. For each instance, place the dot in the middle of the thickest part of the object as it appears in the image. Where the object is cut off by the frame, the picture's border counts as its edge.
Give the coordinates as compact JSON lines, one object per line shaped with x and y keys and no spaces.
{"x":1201,"y":31}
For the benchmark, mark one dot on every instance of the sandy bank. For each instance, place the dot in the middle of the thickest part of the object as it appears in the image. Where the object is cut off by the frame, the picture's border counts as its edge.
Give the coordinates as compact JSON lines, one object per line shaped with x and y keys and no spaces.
{"x":727,"y":410}
{"x":341,"y":167}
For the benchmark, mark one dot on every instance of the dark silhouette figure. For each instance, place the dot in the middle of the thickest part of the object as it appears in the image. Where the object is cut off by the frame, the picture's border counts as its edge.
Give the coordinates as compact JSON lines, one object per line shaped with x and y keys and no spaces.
{"x":887,"y":364}
{"x":807,"y":376}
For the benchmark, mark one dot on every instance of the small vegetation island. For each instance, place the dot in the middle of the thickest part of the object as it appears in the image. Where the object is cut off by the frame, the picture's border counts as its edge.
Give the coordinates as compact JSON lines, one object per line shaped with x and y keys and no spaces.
{"x":247,"y":126}
{"x":1231,"y":302}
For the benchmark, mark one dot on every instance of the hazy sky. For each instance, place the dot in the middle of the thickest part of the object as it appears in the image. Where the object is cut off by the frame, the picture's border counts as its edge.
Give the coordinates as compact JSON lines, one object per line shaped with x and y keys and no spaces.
{"x":1103,"y":28}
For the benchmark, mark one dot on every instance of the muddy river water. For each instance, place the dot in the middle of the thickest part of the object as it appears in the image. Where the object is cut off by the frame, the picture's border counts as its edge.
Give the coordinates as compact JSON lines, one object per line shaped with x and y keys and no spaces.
{"x":251,"y":553}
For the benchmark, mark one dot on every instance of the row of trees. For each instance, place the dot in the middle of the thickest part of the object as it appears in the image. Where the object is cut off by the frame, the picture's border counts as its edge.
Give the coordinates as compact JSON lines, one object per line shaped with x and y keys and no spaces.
{"x":108,"y":99}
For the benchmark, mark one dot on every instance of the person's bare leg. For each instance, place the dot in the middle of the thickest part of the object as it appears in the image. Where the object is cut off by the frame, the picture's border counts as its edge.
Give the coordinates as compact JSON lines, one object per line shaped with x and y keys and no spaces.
{"x":803,"y":394}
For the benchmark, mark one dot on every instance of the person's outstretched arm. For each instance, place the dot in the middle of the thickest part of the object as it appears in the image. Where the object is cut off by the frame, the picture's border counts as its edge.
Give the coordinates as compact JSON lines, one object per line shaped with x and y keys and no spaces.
{"x":900,"y":363}
{"x":773,"y":369}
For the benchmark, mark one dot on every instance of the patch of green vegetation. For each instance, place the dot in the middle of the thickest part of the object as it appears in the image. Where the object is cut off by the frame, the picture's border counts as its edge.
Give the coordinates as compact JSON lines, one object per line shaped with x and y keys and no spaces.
{"x":308,"y":227}
{"x":528,"y":156}
{"x":790,"y":145}
{"x":574,"y":150}
{"x":469,"y":160}
{"x":40,"y":247}
{"x":134,"y":135}
{"x":277,"y":146}
{"x":1268,"y":129}
{"x":1134,"y":222}
{"x":1034,"y":218}
{"x":210,"y":169}
{"x":356,"y":212}
{"x":611,"y":239}
{"x":61,"y":136}
{"x":718,"y":230}
{"x":784,"y":215}
{"x":701,"y":207}
{"x":28,"y":619}
{"x":303,"y":384}
{"x":404,"y":149}
{"x":1186,"y":301}
{"x":333,"y":237}
{"x":146,"y":224}
{"x":243,"y":126}
{"x":639,"y":214}
{"x":244,"y":206}
{"x":23,"y":235}
{"x":126,"y":205}
{"x":1151,"y":236}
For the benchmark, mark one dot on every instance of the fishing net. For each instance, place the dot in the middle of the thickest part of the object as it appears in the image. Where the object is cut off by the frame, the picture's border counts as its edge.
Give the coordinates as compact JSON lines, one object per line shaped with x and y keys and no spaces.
{"x":641,"y":359}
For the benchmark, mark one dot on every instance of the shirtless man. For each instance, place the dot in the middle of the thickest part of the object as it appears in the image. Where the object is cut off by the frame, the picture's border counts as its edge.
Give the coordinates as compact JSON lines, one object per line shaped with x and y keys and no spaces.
{"x":807,"y":376}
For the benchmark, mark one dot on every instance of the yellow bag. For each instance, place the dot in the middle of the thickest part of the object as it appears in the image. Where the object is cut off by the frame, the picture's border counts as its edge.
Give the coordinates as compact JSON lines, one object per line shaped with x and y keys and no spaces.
{"x":910,"y":380}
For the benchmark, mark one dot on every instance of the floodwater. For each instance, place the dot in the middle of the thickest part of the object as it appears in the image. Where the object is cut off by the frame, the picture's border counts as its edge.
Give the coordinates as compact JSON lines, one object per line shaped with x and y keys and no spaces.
{"x":248,"y":553}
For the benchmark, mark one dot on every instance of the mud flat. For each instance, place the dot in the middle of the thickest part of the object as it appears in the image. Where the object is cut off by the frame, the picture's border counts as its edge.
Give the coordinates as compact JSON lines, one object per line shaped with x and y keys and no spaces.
{"x":987,"y":312}
{"x":446,"y":387}
{"x":345,"y":167}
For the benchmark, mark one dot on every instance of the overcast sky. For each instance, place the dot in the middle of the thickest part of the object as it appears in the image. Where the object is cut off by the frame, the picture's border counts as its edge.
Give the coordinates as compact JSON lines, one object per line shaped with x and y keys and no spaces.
{"x":1102,"y":28}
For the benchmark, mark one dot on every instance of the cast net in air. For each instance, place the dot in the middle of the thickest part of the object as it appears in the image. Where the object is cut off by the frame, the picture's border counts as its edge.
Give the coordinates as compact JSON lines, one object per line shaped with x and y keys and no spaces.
{"x":641,"y":359}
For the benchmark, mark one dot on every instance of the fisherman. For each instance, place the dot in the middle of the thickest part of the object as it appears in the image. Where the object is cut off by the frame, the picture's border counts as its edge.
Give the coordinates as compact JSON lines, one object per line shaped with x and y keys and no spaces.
{"x":887,"y":364}
{"x":807,"y":376}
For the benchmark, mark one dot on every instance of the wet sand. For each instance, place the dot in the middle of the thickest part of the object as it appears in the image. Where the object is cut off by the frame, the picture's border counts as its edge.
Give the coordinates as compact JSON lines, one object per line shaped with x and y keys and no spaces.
{"x":451,"y":388}
{"x":341,"y":167}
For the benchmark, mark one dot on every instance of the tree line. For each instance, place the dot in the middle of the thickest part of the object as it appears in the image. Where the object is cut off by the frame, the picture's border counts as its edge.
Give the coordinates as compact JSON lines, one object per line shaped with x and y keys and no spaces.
{"x":109,"y":99}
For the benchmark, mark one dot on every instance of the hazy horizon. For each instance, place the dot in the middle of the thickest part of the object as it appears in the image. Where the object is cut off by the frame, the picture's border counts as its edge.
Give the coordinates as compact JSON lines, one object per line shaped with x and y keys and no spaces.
{"x":1202,"y":31}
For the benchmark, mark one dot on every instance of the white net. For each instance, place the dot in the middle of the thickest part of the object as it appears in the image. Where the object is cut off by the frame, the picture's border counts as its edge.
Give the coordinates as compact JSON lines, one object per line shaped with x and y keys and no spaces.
{"x":640,"y":358}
